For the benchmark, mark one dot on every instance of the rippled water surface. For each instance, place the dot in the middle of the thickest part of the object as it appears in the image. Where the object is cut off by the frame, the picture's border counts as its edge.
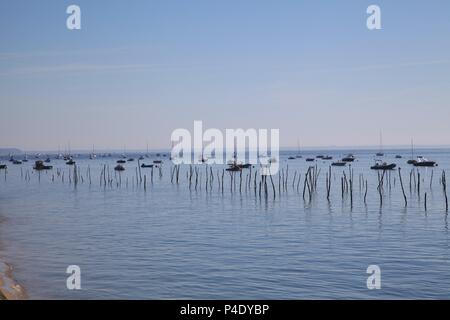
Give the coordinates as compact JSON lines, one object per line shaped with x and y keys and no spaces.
{"x":171,"y":242}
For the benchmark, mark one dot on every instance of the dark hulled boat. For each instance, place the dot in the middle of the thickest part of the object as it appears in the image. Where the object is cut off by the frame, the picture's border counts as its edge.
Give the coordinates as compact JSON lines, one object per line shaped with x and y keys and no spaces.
{"x":119,"y":167}
{"x":146,"y":165}
{"x":383,"y":166}
{"x":339,"y":164}
{"x":234,"y":168}
{"x":349,"y":158}
{"x":422,"y":162}
{"x":39,"y":165}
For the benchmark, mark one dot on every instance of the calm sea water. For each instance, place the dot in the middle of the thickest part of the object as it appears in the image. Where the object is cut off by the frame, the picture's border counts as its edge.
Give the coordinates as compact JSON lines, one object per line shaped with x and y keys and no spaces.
{"x":172,"y":242}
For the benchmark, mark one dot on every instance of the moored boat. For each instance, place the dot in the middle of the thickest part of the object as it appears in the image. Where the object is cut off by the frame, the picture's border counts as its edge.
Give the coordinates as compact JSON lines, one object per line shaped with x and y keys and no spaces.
{"x":349,"y":158}
{"x":383,"y":166}
{"x":422,"y":162}
{"x":234,"y":168}
{"x":339,"y":164}
{"x":119,"y":167}
{"x":39,"y":165}
{"x":146,"y":165}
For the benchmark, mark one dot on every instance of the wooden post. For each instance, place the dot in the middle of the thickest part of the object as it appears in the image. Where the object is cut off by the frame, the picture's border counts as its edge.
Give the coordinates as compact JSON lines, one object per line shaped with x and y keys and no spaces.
{"x":401,"y":183}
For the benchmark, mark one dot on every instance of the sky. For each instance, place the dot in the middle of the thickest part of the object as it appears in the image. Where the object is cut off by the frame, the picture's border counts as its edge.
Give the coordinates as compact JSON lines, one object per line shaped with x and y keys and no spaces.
{"x":137,"y":70}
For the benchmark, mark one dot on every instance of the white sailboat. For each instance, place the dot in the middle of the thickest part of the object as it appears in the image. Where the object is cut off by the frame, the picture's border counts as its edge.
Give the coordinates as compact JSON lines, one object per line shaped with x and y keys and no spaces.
{"x":380,"y":153}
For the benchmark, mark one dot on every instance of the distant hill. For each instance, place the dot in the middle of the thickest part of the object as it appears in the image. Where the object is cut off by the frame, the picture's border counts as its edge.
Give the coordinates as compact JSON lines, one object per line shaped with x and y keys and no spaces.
{"x":6,"y":151}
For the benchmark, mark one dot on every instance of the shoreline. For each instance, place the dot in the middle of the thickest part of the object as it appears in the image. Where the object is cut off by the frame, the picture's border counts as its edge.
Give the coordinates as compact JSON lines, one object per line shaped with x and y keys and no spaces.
{"x":9,"y":288}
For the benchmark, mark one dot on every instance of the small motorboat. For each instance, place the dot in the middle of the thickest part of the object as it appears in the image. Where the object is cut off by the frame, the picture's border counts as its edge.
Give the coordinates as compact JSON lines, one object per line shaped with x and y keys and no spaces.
{"x":17,"y":162}
{"x":130,"y":159}
{"x":310,"y":159}
{"x":292,"y":158}
{"x":244,"y":166}
{"x":3,"y":166}
{"x":298,"y":156}
{"x":157,"y":161}
{"x":383,"y":166}
{"x":349,"y":158}
{"x":71,"y":162}
{"x":319,"y":157}
{"x":233,"y":168}
{"x":121,"y":161}
{"x":47,"y":160}
{"x":398,"y":156}
{"x":339,"y":164}
{"x":379,"y":154}
{"x":39,"y":165}
{"x":327,"y":158}
{"x":119,"y":167}
{"x":141,"y":158}
{"x":422,"y":162}
{"x":146,"y":165}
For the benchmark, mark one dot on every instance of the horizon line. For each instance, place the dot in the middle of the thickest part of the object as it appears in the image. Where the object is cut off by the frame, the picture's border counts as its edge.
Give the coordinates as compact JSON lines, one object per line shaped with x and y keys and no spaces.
{"x":284,"y":148}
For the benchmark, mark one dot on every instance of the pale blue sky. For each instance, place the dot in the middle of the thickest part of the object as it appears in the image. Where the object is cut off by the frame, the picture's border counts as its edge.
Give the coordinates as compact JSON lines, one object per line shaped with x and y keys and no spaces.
{"x":139,"y":69}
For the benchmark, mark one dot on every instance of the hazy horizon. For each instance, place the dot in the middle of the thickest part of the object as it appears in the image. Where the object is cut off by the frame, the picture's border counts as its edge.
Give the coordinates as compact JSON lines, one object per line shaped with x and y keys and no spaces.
{"x":135,"y":72}
{"x":386,"y":148}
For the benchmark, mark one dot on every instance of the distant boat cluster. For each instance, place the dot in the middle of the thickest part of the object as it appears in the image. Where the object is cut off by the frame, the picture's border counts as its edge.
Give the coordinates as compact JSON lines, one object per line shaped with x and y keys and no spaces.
{"x":379,"y":164}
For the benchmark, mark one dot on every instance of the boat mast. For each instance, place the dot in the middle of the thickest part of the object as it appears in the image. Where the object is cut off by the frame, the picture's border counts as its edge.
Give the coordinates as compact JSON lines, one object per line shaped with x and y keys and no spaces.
{"x":381,"y":142}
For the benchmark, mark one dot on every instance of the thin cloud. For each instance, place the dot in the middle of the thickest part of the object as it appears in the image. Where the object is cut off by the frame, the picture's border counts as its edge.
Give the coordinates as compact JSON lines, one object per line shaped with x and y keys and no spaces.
{"x":85,"y":68}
